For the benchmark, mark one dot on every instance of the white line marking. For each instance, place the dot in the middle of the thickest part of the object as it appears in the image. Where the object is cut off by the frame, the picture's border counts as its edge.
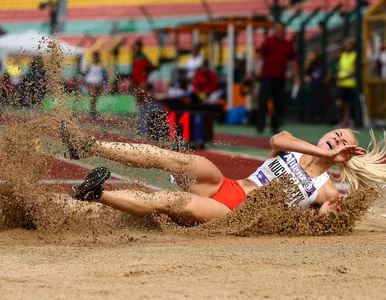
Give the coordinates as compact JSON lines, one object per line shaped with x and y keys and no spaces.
{"x":89,"y":167}
{"x":78,"y":181}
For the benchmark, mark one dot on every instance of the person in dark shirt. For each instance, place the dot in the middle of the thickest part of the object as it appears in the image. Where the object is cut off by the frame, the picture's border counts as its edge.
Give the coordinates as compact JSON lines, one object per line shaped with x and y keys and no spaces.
{"x":141,"y":66}
{"x":275,"y":52}
{"x":332,"y":88}
{"x":315,"y":75}
{"x":149,"y":111}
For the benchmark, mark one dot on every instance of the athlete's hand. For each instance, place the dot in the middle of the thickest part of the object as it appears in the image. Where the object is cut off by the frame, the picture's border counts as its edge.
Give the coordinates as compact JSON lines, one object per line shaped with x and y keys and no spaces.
{"x":332,"y":205}
{"x":342,"y":153}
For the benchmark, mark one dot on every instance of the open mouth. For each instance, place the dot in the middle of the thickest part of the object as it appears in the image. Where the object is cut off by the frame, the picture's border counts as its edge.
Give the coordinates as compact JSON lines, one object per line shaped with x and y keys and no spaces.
{"x":330,"y":145}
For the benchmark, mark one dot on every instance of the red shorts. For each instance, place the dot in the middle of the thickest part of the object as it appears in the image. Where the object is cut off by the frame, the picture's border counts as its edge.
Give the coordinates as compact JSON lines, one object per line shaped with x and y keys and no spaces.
{"x":231,"y":194}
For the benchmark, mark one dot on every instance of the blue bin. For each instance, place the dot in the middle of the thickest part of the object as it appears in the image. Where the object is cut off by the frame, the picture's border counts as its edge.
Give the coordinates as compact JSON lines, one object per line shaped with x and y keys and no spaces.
{"x":237,"y":115}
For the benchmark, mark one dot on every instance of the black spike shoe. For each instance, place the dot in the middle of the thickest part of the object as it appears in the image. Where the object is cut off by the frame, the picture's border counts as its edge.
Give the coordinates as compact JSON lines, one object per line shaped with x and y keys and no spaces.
{"x":91,"y":188}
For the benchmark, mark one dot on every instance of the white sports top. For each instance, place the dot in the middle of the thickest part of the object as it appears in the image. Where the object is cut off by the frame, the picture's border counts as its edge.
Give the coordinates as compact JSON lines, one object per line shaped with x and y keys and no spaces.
{"x":288,"y":163}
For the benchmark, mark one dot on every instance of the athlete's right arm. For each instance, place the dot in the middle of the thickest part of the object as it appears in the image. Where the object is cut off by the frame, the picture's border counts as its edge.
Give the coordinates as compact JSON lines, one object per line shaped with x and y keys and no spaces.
{"x":284,"y":141}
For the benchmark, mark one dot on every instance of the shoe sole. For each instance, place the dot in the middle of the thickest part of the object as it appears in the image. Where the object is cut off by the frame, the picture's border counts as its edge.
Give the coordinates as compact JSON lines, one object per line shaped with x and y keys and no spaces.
{"x":73,"y":191}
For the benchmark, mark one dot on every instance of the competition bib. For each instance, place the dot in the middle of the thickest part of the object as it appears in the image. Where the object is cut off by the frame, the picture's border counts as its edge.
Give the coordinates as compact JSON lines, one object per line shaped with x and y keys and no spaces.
{"x":303,"y":192}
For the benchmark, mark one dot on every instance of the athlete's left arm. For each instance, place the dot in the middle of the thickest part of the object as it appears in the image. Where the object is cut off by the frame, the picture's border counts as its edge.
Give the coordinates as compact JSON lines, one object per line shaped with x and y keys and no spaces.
{"x":329,"y":200}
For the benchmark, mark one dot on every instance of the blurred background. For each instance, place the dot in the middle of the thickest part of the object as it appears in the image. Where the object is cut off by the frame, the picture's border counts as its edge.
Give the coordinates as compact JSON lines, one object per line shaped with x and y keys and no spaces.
{"x":130,"y":57}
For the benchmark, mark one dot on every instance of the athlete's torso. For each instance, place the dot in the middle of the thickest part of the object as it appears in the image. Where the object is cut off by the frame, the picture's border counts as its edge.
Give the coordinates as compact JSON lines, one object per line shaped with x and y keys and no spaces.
{"x":306,"y":188}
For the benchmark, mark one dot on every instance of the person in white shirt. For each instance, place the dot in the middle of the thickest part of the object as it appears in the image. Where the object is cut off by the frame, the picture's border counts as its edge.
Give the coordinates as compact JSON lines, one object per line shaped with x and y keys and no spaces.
{"x":194,"y":62}
{"x":96,"y":79}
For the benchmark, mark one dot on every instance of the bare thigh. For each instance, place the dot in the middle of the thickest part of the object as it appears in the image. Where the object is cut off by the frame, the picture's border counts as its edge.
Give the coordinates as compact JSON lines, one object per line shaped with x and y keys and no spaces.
{"x":183,"y":207}
{"x":192,"y":209}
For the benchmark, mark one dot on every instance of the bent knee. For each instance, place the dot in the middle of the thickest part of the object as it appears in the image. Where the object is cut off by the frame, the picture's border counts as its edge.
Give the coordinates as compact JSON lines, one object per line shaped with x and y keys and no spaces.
{"x":187,"y":161}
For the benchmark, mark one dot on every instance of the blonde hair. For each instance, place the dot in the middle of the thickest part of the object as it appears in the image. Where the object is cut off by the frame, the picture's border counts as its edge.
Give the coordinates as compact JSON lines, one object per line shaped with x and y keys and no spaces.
{"x":368,"y":169}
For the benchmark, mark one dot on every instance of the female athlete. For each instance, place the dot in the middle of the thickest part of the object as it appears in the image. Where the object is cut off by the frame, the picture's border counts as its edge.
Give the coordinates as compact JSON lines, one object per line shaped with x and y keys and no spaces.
{"x":207,"y":194}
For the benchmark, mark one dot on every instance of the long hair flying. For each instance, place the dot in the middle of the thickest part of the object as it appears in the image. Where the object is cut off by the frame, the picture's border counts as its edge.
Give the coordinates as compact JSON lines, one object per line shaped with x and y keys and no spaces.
{"x":368,"y":169}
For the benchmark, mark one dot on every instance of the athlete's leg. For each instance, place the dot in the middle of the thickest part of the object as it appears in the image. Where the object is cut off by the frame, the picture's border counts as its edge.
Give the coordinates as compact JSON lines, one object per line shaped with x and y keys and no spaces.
{"x":183,"y":207}
{"x":194,"y":173}
{"x":205,"y":178}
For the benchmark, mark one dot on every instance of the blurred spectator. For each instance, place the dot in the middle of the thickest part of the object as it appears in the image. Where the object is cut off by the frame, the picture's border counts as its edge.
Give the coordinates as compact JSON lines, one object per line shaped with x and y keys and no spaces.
{"x":332,"y":90}
{"x":141,"y":67}
{"x":34,"y":84}
{"x":205,"y":83}
{"x":346,"y":82}
{"x":15,"y":71}
{"x":179,"y":87}
{"x":194,"y":62}
{"x":276,"y":52}
{"x":8,"y":93}
{"x":52,"y":5}
{"x":250,"y":87}
{"x":74,"y":83}
{"x":141,"y":70}
{"x":332,"y":73}
{"x":240,"y":68}
{"x":315,"y":71}
{"x":382,"y":61}
{"x":96,"y":79}
{"x":78,"y":73}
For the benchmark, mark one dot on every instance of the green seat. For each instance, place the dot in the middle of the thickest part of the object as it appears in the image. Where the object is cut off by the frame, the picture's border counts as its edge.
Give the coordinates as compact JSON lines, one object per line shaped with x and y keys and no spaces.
{"x":115,"y":104}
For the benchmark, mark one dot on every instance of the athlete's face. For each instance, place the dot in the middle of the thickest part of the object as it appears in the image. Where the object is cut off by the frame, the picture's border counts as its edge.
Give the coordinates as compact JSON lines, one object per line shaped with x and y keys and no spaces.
{"x":337,"y":138}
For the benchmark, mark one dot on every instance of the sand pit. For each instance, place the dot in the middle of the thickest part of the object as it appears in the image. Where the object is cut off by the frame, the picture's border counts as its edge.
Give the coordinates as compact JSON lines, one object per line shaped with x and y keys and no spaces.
{"x":156,"y":265}
{"x":93,"y":252}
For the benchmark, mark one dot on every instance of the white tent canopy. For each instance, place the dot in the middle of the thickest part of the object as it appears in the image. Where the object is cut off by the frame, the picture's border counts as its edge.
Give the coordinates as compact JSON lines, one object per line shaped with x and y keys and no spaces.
{"x":31,"y":43}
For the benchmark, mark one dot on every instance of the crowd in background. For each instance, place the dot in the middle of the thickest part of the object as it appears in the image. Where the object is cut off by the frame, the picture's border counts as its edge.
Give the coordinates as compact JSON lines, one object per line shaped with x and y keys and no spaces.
{"x":325,"y":85}
{"x":22,"y":85}
{"x":329,"y":89}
